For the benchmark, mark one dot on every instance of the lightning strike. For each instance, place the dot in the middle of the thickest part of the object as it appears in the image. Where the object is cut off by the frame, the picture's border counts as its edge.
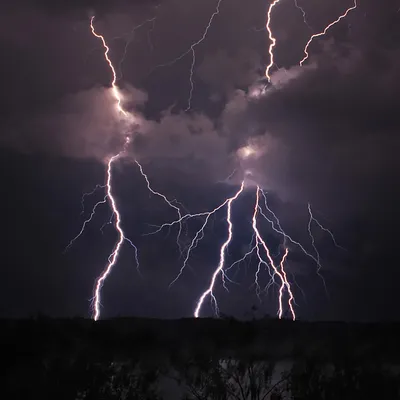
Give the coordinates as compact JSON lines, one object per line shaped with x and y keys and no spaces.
{"x":112,"y":259}
{"x":114,"y":255}
{"x":115,"y":90}
{"x":192,"y":50}
{"x":260,"y":247}
{"x":209,"y":291}
{"x":325,"y":31}
{"x":272,"y":40}
{"x":109,"y":197}
{"x":291,"y":297}
{"x":259,"y":244}
{"x":275,"y":271}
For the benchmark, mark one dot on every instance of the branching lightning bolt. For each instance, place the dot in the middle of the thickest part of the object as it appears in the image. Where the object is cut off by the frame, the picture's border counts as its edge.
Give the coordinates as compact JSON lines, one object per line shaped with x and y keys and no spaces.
{"x":192,"y":50}
{"x":264,"y":255}
{"x":113,"y":257}
{"x":325,"y":30}
{"x":275,"y":271}
{"x":209,"y":291}
{"x":259,"y":243}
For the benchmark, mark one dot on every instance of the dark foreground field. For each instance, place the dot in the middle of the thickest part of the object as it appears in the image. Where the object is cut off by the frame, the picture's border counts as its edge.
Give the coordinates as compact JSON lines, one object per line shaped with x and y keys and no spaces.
{"x":198,"y":359}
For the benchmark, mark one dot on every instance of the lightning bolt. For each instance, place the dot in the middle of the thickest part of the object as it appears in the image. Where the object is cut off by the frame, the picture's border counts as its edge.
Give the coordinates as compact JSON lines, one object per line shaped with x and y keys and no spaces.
{"x":192,"y":50}
{"x":325,"y":30}
{"x":115,"y":90}
{"x":109,"y":197}
{"x":121,"y":237}
{"x":271,"y":38}
{"x":209,"y":291}
{"x":287,"y":285}
{"x":264,"y":256}
{"x":280,"y":273}
{"x":112,"y":259}
{"x":259,"y":244}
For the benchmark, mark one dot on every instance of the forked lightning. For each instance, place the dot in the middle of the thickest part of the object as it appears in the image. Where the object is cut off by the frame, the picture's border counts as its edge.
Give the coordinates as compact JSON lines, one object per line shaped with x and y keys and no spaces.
{"x":262,"y":212}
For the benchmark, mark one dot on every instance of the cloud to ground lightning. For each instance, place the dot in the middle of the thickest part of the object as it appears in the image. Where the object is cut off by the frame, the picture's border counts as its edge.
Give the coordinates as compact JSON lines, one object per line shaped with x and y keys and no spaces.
{"x":209,"y":291}
{"x":113,"y":257}
{"x":260,"y":248}
{"x":262,"y":214}
{"x":275,"y":271}
{"x":121,"y":236}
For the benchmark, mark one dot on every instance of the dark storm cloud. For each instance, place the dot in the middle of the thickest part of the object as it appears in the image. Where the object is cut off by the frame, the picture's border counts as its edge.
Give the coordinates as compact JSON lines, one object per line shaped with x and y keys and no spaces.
{"x":83,"y":125}
{"x":224,"y":72}
{"x":82,"y":7}
{"x":338,"y":126}
{"x":314,"y":120}
{"x":61,"y":65}
{"x":312,"y":124}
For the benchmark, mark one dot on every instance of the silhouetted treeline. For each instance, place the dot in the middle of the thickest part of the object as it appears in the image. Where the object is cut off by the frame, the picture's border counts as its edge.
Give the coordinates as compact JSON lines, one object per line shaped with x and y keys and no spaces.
{"x":198,"y":359}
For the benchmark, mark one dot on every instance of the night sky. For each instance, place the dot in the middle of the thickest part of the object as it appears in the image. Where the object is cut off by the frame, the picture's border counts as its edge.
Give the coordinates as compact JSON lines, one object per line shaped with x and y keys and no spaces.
{"x":327,"y":133}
